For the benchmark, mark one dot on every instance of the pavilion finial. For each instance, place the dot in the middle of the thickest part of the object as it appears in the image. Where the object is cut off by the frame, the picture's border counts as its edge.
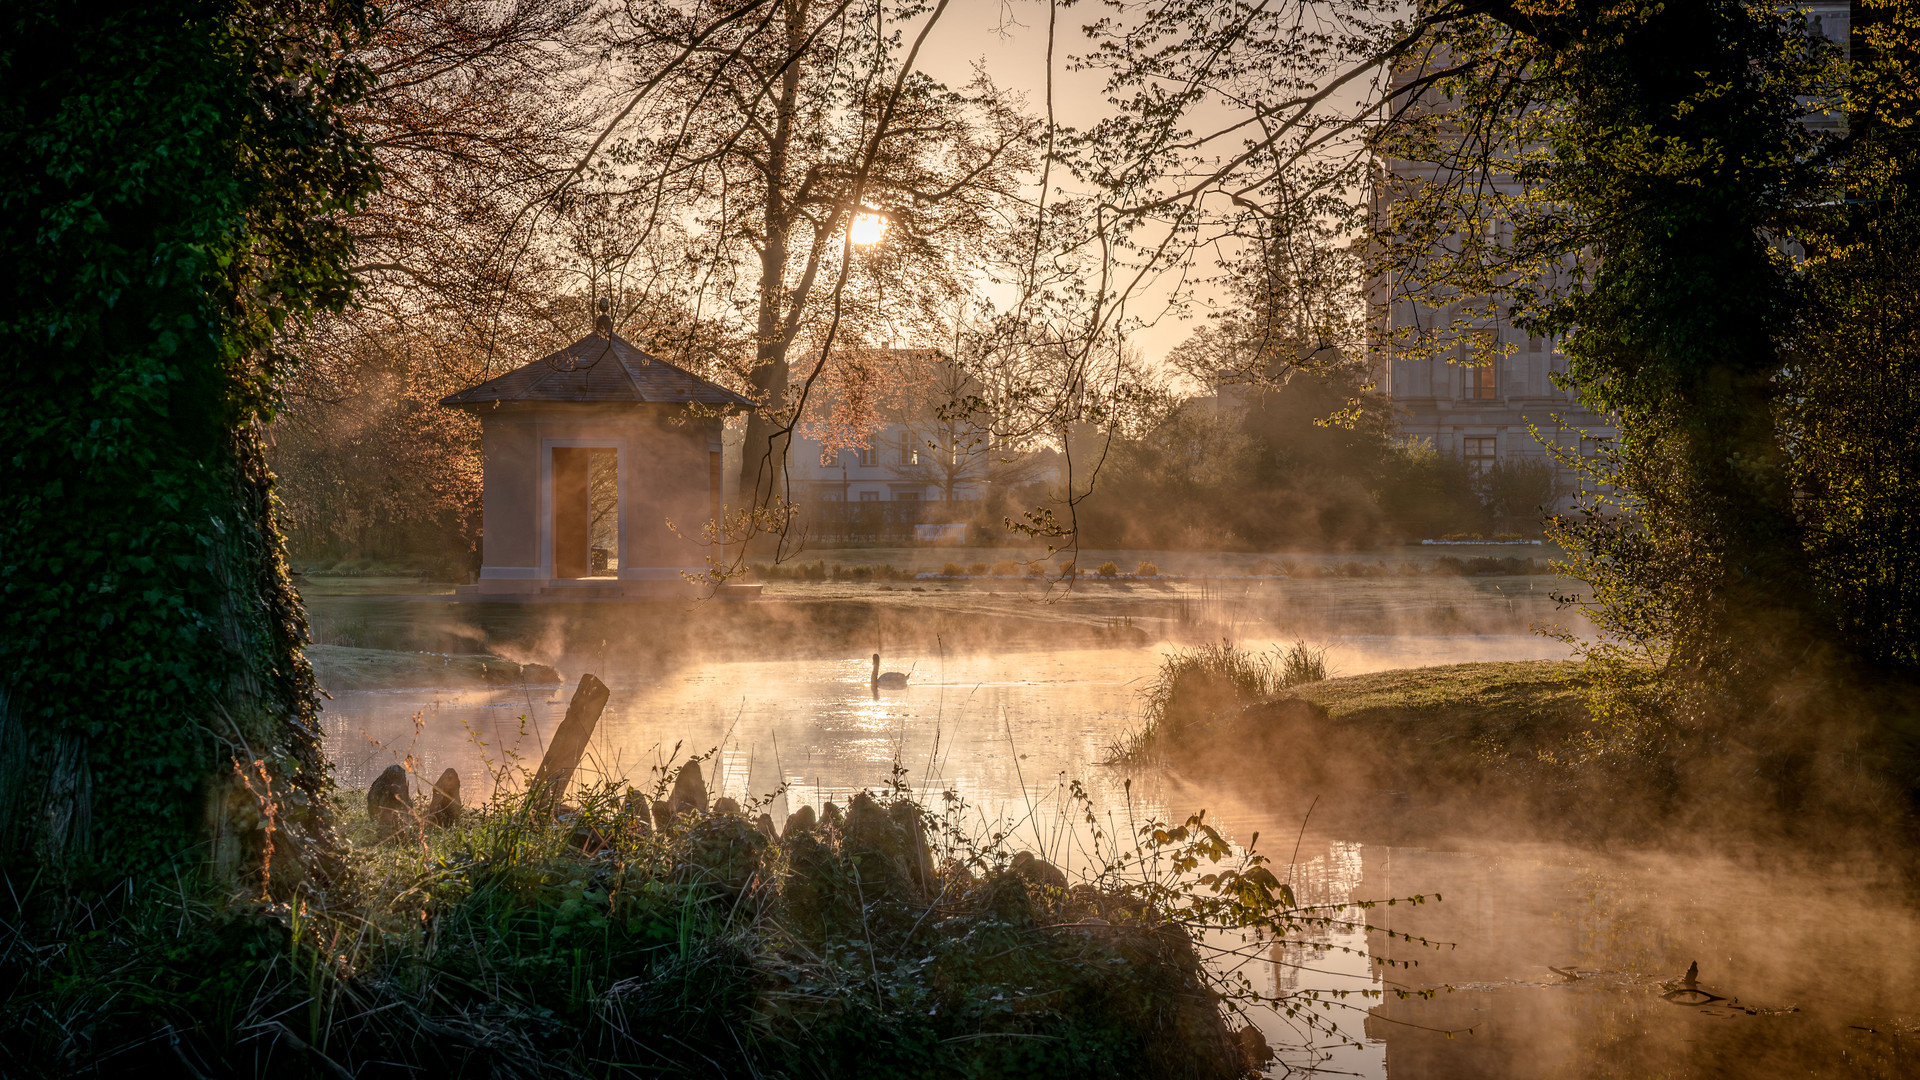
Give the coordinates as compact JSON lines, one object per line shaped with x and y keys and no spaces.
{"x":603,"y":323}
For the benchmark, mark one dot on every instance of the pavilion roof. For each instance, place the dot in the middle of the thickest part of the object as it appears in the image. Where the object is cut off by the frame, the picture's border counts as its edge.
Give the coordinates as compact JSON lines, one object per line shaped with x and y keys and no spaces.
{"x":598,"y":369}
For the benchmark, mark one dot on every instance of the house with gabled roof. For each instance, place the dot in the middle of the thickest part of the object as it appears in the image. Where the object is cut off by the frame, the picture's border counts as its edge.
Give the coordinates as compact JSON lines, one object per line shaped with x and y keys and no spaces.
{"x":602,"y":466}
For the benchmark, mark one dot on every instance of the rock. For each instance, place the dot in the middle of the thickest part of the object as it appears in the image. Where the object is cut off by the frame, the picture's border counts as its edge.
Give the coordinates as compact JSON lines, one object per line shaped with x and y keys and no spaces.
{"x":906,"y":815}
{"x":864,"y":817}
{"x":389,"y":803}
{"x":765,"y":824}
{"x":818,"y":897}
{"x":636,"y":812}
{"x":726,"y":805}
{"x":1038,"y":871}
{"x":883,"y":849}
{"x":662,"y":814}
{"x":1253,"y":1047}
{"x":689,"y":790}
{"x":799,"y":821}
{"x":444,"y":808}
{"x":540,"y":673}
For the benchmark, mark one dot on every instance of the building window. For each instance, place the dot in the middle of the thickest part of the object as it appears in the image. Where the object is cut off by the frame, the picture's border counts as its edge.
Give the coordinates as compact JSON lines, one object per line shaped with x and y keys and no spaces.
{"x":913,"y":455}
{"x":869,"y":496}
{"x":1479,"y":452}
{"x":909,"y":496}
{"x":869,"y":457}
{"x":1481,"y":381}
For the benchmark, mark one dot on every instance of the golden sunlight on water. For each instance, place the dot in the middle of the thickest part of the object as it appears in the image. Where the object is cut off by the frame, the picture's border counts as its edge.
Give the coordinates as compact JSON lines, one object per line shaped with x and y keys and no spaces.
{"x":996,"y":727}
{"x":1813,"y":977}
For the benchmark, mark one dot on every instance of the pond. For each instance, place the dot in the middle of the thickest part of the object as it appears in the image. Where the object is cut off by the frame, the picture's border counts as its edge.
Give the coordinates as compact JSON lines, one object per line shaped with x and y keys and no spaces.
{"x":1822,"y":966}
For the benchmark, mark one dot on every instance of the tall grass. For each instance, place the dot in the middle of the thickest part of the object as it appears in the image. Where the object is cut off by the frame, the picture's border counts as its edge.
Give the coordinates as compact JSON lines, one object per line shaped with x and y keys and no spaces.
{"x":1197,"y":687}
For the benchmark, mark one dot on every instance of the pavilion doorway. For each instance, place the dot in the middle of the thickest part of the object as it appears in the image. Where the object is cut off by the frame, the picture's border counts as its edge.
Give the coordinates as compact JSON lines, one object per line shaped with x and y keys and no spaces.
{"x":586,"y":511}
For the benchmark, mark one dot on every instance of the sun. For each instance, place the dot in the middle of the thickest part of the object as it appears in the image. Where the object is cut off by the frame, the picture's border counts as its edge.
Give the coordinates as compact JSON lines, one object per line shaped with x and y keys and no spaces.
{"x":867,"y":229}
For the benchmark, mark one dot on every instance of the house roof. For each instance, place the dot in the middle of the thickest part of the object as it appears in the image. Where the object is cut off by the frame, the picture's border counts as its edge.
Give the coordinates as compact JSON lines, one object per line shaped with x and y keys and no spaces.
{"x":598,"y":369}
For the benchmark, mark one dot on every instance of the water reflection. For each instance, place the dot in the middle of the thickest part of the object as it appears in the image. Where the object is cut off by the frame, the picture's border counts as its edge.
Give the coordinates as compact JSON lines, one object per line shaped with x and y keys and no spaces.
{"x":999,"y":728}
{"x":1008,"y":730}
{"x":1820,"y":972}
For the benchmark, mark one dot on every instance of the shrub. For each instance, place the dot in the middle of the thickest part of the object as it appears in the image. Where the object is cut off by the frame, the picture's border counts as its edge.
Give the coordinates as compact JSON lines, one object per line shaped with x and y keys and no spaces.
{"x":1006,"y":568}
{"x":953,"y":569}
{"x":1108,"y":569}
{"x":978,"y":569}
{"x":1146,"y":569}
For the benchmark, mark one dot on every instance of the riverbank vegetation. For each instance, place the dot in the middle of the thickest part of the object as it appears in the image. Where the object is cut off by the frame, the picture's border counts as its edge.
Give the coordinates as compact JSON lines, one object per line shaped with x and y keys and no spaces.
{"x":650,"y":933}
{"x":1051,"y":572}
{"x":1719,"y":278}
{"x":1199,"y":689}
{"x":1540,"y":749}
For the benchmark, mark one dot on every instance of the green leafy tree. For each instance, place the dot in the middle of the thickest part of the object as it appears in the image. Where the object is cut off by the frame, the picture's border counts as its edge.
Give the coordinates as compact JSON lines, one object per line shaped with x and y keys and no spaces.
{"x":174,"y":181}
{"x":1850,"y":401}
{"x":1651,"y":178}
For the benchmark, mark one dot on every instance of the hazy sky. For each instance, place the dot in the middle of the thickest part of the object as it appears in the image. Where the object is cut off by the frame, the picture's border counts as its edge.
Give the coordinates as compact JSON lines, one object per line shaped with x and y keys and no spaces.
{"x":1009,"y":40}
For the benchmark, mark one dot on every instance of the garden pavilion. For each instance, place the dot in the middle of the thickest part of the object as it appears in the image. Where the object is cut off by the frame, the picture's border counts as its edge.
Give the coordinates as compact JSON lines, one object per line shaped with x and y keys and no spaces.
{"x":602,"y":464}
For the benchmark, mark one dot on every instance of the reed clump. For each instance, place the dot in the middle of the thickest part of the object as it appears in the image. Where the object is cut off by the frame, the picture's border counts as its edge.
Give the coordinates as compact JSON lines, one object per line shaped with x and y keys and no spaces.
{"x":1200,"y":688}
{"x":613,"y":937}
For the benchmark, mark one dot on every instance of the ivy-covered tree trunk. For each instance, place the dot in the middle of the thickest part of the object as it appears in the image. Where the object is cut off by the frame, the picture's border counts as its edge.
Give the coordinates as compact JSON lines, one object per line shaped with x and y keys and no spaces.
{"x":171,"y":182}
{"x":1682,"y":165}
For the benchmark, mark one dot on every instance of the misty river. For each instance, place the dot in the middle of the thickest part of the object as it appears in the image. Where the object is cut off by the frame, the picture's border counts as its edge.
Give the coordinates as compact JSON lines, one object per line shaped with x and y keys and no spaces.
{"x":1817,"y":964}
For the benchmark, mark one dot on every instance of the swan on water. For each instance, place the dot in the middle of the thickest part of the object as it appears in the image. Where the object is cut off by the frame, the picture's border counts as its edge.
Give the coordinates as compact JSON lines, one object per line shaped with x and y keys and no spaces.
{"x":892,"y":680}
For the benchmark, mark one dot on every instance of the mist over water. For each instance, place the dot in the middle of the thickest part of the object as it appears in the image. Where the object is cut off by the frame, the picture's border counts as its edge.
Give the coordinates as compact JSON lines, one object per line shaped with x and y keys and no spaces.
{"x":1819,"y":964}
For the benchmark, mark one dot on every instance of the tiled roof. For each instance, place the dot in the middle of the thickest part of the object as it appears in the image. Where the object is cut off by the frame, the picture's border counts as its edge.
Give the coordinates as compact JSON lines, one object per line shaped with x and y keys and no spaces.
{"x":598,"y":369}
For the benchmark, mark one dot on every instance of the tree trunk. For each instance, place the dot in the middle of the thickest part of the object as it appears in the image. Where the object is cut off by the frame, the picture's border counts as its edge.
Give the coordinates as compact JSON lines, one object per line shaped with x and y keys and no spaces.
{"x":171,"y":206}
{"x":763,"y":456}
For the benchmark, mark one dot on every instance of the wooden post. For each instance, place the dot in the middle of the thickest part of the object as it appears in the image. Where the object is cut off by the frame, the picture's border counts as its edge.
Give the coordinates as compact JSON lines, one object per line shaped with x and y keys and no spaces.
{"x":570,"y":742}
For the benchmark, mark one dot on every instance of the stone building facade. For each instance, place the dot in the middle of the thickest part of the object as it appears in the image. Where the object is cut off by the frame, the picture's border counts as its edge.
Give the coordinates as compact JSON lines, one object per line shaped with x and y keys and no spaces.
{"x":1508,"y":409}
{"x":1505,"y":410}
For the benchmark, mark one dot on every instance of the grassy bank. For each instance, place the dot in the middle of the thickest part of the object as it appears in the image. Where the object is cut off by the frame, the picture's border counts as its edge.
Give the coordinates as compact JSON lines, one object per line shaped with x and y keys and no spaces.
{"x":621,"y":937}
{"x":1532,"y":748}
{"x":1508,"y":745}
